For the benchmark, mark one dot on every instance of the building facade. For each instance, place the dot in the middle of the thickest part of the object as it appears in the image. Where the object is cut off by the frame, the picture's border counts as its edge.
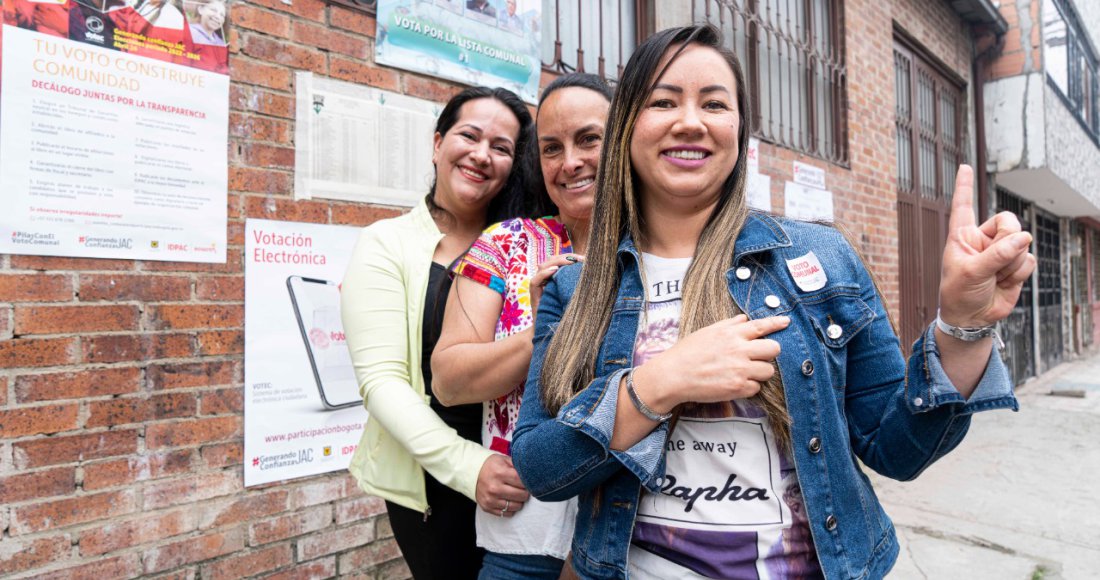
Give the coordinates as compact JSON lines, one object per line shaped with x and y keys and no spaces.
{"x":121,"y":382}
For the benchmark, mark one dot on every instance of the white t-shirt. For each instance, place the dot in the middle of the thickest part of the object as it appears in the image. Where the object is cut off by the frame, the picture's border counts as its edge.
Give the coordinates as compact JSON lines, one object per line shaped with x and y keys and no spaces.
{"x":730,"y":505}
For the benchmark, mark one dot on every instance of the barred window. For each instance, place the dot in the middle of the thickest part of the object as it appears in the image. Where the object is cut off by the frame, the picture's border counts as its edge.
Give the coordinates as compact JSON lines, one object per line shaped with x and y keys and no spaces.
{"x":595,"y":36}
{"x":793,"y":55}
{"x":1071,"y":65}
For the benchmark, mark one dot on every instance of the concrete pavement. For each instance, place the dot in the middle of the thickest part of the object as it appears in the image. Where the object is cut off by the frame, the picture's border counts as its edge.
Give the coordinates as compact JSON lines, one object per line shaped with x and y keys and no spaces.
{"x":1018,"y":498}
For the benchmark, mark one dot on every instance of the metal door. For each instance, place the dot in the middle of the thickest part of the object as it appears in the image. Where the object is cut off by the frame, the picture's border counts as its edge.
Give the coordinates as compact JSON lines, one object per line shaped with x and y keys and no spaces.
{"x":1017,"y":328}
{"x":1049,"y":247}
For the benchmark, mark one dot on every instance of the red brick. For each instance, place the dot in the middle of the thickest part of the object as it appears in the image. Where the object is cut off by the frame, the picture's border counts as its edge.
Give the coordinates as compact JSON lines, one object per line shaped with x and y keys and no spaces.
{"x":325,"y":38}
{"x":38,"y":484}
{"x":6,"y":322}
{"x":232,"y":265}
{"x":255,"y":100}
{"x":253,"y":18}
{"x":64,"y":319}
{"x":203,"y":316}
{"x":35,"y":288}
{"x":113,"y":348}
{"x":193,"y":432}
{"x":3,"y":391}
{"x":117,"y":472}
{"x":148,"y":528}
{"x":188,"y":375}
{"x":253,"y":72}
{"x":220,"y":342}
{"x":143,"y":287}
{"x":369,"y":557}
{"x":260,"y":181}
{"x":244,"y":509}
{"x":286,"y":209}
{"x":23,"y":421}
{"x":268,"y":156}
{"x":77,"y":385}
{"x":189,"y":573}
{"x":54,"y":264}
{"x":191,"y":550}
{"x":69,"y":511}
{"x":332,"y":488}
{"x":296,"y":523}
{"x":257,"y":128}
{"x":192,"y":488}
{"x":117,"y":568}
{"x":360,"y":508}
{"x":38,"y":352}
{"x":273,"y":50}
{"x":316,"y":545}
{"x":222,"y":454}
{"x":249,"y":563}
{"x":362,"y":73}
{"x":310,"y":9}
{"x":352,"y":20}
{"x":126,"y":410}
{"x":416,"y":86}
{"x":223,"y":401}
{"x":323,"y":568}
{"x":59,"y":450}
{"x":396,"y":570}
{"x":22,"y":555}
{"x":360,"y":214}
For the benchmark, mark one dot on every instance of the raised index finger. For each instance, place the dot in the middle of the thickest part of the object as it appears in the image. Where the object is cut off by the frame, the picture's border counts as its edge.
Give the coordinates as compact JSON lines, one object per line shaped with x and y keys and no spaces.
{"x":962,"y":204}
{"x":762,"y":327}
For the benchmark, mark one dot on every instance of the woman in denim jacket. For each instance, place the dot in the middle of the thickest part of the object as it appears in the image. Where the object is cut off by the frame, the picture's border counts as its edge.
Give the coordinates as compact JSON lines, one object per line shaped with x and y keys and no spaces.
{"x":654,"y":395}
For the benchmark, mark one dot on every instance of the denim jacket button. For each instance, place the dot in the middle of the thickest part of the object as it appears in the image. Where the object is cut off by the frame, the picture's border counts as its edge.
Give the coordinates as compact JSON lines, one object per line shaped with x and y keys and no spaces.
{"x":743,"y":273}
{"x":815,"y":445}
{"x":772,"y":301}
{"x":834,"y":331}
{"x":807,"y":367}
{"x":830,"y":523}
{"x":918,"y":401}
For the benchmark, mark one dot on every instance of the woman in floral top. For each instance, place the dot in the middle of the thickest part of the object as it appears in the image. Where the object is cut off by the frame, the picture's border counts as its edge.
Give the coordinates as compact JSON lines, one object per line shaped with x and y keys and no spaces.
{"x":486,"y":342}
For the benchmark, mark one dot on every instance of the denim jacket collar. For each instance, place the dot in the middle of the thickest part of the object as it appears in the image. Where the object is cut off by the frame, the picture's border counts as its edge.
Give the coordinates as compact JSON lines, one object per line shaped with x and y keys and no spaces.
{"x":761,"y":232}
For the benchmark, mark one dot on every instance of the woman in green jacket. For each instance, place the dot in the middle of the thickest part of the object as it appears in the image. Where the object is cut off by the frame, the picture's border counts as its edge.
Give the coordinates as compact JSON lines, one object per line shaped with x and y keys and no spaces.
{"x":425,"y":459}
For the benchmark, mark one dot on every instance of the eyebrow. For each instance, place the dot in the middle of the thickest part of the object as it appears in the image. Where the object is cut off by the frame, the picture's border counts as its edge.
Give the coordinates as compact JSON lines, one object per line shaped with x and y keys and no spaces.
{"x":680,"y":90}
{"x":480,"y":130}
{"x":587,"y":128}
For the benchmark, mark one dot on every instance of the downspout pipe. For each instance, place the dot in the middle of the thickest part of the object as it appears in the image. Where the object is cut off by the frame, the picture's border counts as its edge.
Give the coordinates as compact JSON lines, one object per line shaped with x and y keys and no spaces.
{"x":989,"y":42}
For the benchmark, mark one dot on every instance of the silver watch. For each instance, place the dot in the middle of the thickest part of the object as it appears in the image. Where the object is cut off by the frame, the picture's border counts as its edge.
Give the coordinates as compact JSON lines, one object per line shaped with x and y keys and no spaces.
{"x":970,"y":334}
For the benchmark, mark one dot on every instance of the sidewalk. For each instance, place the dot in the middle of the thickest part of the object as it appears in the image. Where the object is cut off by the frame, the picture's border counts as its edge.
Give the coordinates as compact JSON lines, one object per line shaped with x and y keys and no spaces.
{"x":1017,"y":499}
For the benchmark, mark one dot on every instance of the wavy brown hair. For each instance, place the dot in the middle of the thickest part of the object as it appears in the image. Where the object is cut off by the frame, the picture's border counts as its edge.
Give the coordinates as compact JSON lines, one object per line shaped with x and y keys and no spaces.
{"x":570,"y":361}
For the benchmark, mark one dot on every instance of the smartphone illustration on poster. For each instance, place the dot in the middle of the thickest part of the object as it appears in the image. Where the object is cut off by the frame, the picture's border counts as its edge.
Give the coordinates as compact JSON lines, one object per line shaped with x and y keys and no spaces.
{"x":317,"y":307}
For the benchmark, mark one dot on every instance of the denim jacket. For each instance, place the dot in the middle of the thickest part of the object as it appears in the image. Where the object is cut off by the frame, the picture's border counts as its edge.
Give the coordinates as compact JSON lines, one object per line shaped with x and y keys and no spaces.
{"x":850,"y":394}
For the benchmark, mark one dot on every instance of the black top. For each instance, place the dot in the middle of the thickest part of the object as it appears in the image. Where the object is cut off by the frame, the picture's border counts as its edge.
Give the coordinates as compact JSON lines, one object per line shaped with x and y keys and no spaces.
{"x":466,"y":419}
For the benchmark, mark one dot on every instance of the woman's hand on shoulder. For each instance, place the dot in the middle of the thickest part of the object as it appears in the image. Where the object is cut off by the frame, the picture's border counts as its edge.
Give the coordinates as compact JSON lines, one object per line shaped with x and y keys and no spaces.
{"x":545,"y":272}
{"x":499,"y":490}
{"x":984,"y":266}
{"x":724,"y":361}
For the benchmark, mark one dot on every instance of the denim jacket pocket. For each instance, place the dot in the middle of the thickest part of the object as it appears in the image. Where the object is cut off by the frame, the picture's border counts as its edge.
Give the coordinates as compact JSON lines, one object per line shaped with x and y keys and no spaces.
{"x":838,"y":315}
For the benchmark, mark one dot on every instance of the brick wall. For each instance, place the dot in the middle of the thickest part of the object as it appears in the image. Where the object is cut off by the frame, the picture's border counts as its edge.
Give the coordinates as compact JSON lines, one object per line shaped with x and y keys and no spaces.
{"x":865,"y":193}
{"x":121,"y":382}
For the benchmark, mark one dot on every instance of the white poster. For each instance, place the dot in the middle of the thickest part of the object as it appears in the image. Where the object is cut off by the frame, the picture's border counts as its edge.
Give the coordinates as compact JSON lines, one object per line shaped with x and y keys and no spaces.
{"x":302,"y":411}
{"x":807,"y":203}
{"x":758,"y":191}
{"x":115,"y":125}
{"x":358,"y":143}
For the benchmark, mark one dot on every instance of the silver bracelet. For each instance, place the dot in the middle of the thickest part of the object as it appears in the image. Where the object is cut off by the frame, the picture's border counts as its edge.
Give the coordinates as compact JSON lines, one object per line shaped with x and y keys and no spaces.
{"x":970,"y":334}
{"x":640,"y":405}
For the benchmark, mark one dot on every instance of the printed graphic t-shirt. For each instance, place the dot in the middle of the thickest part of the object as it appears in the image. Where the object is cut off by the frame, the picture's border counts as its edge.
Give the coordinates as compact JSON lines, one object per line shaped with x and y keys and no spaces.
{"x":730,"y":505}
{"x":504,"y":258}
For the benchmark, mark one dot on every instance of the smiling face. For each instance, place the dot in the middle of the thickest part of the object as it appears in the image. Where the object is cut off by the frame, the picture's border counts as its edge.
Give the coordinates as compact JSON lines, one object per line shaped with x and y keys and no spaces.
{"x":684,"y":144}
{"x":212,"y":15}
{"x":570,"y":135}
{"x":473,"y":160}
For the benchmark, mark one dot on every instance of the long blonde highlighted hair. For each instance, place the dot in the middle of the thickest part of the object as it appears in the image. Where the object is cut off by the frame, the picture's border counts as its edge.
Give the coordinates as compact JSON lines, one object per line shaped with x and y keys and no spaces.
{"x":570,"y":361}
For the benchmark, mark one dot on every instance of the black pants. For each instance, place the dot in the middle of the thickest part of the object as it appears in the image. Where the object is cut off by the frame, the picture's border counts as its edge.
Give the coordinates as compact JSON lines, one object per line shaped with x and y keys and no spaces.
{"x":444,"y":545}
